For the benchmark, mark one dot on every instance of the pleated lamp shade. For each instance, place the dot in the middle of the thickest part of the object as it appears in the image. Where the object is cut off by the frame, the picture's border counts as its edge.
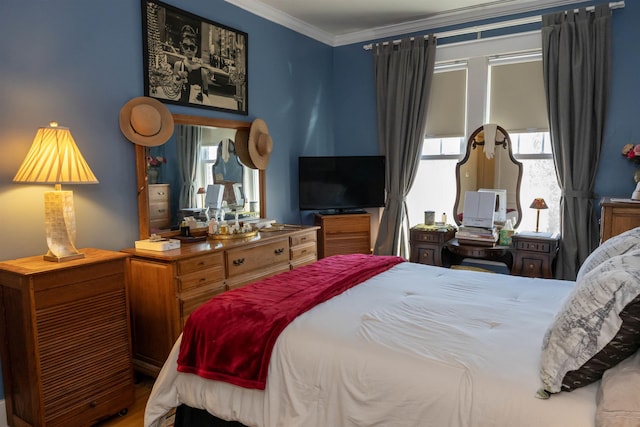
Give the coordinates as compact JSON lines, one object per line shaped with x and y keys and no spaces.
{"x":55,"y":158}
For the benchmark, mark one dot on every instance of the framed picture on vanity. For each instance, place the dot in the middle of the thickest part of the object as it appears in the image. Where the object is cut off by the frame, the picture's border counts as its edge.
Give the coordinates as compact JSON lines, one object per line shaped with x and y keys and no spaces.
{"x":192,"y":61}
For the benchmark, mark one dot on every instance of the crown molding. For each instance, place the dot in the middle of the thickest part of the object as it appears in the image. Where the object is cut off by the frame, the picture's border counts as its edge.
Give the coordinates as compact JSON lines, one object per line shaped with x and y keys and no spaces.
{"x":279,"y":17}
{"x":478,"y":13}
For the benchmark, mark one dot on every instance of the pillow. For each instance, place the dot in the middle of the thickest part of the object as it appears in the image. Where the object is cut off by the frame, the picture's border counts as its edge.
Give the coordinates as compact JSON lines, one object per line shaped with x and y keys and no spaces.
{"x":616,"y":245}
{"x":618,"y":398}
{"x":597,"y":327}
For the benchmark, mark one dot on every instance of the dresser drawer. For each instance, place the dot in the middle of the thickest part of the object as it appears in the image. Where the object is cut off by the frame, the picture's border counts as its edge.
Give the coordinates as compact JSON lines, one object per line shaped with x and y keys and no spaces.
{"x":158,"y":210}
{"x":303,"y":251}
{"x":200,"y":263}
{"x":201,"y":278}
{"x":242,"y":260}
{"x":158,"y":193}
{"x":302,"y":239}
{"x":347,"y":223}
{"x":431,"y":236}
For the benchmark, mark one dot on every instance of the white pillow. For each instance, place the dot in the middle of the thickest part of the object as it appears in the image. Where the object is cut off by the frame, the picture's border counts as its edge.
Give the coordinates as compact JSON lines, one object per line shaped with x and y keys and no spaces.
{"x":618,"y":399}
{"x":592,"y":319}
{"x":616,"y":245}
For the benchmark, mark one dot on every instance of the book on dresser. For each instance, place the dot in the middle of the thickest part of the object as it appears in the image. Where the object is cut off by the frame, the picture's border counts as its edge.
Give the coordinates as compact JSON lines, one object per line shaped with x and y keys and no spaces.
{"x":477,"y":235}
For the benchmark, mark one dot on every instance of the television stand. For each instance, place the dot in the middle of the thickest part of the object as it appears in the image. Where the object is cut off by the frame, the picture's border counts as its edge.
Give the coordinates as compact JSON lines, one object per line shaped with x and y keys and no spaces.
{"x":343,"y":234}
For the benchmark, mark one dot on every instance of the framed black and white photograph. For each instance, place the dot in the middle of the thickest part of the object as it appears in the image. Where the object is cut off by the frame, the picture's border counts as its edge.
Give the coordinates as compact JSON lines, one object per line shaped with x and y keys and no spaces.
{"x":192,"y":61}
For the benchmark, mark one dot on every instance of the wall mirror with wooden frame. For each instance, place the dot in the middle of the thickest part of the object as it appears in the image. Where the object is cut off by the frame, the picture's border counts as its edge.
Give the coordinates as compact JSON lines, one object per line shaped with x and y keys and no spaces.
{"x":500,"y":171}
{"x":215,"y":133}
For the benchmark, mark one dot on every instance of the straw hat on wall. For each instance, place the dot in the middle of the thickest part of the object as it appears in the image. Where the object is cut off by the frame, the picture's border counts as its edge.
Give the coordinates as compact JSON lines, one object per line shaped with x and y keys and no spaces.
{"x":146,"y":121}
{"x":255,"y":145}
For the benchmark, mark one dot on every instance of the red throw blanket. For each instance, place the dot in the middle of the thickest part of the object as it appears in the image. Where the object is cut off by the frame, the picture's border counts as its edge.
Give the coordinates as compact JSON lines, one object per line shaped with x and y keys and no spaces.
{"x":230,"y":337}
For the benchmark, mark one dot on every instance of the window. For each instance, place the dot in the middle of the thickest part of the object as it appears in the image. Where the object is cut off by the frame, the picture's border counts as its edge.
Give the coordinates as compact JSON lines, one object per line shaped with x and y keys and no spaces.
{"x":494,"y":84}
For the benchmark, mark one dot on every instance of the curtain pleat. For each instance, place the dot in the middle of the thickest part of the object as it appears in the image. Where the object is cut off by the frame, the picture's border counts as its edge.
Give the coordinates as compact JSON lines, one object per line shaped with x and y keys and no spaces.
{"x":576,"y":67}
{"x":403,"y":76}
{"x":188,"y":143}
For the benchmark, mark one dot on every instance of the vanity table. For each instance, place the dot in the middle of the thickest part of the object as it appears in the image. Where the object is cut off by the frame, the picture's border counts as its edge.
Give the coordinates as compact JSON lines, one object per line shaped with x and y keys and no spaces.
{"x":530,"y":254}
{"x":490,"y":253}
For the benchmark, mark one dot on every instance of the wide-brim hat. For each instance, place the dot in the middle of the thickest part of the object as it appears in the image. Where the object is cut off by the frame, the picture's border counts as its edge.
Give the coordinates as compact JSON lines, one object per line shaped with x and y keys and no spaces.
{"x":146,"y":121}
{"x":254,"y":146}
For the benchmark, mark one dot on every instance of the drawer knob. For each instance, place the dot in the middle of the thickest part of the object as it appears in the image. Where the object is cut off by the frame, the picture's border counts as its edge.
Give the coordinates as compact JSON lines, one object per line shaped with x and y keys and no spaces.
{"x":93,"y":404}
{"x":278,"y":251}
{"x":238,"y":261}
{"x":302,"y":239}
{"x":531,"y":267}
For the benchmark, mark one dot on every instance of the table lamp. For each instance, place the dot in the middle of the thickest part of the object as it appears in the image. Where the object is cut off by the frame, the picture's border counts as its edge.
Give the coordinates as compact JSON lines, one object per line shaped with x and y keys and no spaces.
{"x":202,"y":192}
{"x":538,"y":203}
{"x":55,"y":158}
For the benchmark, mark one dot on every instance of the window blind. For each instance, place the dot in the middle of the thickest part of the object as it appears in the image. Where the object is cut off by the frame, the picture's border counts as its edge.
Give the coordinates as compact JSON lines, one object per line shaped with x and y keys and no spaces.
{"x":517,"y":99}
{"x":447,"y":104}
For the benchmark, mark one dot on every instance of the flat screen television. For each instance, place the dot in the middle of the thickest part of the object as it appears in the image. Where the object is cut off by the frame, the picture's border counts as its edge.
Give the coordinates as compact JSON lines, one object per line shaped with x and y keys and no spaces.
{"x":338,"y":184}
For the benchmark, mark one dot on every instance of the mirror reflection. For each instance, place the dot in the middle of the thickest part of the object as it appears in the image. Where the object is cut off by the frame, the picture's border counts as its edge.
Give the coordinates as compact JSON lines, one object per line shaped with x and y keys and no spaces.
{"x":486,"y":169}
{"x":199,"y":157}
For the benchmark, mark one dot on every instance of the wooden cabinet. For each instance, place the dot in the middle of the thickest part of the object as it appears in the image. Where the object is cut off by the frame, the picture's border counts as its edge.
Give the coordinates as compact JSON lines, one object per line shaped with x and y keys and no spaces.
{"x":159,"y":211}
{"x":617,"y":217}
{"x":165,"y":287}
{"x":64,"y":337}
{"x":343,"y":234}
{"x":427,"y":246}
{"x":534,"y":256}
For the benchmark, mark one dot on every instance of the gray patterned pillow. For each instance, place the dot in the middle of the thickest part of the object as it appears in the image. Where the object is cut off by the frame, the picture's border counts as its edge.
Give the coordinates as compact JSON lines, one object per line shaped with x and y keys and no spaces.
{"x":597,"y":327}
{"x":616,"y":245}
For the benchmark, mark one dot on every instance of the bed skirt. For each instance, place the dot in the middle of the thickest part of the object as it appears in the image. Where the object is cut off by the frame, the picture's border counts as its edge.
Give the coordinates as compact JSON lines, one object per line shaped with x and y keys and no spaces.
{"x":187,"y":416}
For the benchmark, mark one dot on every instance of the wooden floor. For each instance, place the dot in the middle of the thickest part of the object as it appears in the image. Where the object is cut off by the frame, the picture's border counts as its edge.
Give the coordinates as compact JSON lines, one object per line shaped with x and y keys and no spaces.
{"x":135,"y":414}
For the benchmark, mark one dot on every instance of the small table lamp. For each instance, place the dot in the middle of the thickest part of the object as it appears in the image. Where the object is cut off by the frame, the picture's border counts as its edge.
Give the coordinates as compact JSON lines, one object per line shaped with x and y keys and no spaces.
{"x":202,"y":192}
{"x":55,"y":158}
{"x":538,"y":204}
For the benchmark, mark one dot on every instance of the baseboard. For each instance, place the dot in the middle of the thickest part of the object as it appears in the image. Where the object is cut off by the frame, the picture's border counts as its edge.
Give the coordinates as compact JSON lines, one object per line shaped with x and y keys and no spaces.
{"x":3,"y":414}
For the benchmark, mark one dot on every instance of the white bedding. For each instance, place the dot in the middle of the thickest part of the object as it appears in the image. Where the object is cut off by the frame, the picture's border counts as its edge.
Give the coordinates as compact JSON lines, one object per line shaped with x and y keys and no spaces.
{"x":413,"y":346}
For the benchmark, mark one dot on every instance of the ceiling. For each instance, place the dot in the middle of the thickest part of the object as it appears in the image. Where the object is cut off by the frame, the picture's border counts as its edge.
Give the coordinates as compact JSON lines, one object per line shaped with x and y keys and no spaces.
{"x":340,"y":22}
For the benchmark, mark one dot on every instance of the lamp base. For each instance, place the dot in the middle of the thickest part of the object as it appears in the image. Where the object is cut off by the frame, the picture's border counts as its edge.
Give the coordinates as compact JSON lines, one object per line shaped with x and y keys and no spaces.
{"x":50,"y":257}
{"x":60,"y":226}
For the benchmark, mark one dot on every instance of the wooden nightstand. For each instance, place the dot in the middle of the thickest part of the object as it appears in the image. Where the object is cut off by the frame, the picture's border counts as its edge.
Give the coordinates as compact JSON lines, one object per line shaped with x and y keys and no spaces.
{"x":427,"y":245}
{"x":534,"y":254}
{"x":617,"y":217}
{"x":64,"y":339}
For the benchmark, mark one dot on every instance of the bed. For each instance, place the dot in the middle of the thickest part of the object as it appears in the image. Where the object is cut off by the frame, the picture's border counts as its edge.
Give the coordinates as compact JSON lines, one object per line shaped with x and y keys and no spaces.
{"x":418,"y":345}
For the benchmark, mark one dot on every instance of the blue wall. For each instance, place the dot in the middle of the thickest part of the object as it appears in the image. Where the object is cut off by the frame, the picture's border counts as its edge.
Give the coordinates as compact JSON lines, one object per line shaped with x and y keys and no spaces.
{"x":77,"y":62}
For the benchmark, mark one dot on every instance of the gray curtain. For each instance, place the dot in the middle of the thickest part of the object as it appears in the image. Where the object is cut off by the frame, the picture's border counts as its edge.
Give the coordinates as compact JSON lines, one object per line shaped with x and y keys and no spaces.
{"x":576,"y":62}
{"x":188,"y":143}
{"x":403,"y":76}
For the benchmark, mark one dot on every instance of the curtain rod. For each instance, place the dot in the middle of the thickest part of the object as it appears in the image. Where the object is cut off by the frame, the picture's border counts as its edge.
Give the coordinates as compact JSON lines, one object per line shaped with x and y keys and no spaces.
{"x":505,"y":24}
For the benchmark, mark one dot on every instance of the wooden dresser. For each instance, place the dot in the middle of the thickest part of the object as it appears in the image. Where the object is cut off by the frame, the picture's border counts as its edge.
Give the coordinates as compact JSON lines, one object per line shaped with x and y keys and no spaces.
{"x":617,"y":217}
{"x":165,"y":287}
{"x":64,"y":337}
{"x":343,"y":234}
{"x":159,"y":210}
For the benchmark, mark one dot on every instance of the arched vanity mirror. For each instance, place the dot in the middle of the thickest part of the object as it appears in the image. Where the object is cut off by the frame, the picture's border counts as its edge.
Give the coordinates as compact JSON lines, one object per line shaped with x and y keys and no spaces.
{"x":238,"y":180}
{"x":496,"y":169}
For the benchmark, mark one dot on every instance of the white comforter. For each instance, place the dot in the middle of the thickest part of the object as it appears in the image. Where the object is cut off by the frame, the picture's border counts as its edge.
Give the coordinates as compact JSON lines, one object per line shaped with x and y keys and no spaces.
{"x":414,"y":346}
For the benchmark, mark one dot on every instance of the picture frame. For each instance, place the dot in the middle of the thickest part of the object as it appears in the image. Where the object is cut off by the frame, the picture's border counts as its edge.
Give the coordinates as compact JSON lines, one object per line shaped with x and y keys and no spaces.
{"x":192,"y":61}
